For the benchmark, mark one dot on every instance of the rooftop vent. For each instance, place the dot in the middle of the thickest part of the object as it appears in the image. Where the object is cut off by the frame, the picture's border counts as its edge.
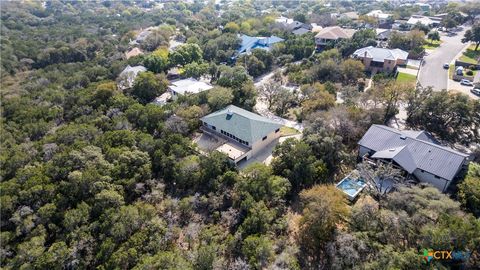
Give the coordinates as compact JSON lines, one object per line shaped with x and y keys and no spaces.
{"x":403,"y":137}
{"x":229,"y":114}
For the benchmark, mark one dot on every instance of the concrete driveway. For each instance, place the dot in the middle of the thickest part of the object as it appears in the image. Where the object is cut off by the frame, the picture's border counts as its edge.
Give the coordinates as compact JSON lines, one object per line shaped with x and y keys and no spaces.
{"x":265,"y":156}
{"x":432,"y":72}
{"x":457,"y":87}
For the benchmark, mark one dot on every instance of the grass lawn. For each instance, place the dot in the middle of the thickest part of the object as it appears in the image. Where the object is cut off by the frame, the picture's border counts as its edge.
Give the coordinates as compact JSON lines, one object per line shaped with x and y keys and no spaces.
{"x":470,"y":55}
{"x":287,"y":131}
{"x":404,"y":77}
{"x":451,"y":70}
{"x":431,"y":44}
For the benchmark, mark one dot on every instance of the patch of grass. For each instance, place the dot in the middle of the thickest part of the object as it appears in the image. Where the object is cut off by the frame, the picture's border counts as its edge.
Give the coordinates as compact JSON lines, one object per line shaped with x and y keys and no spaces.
{"x":412,"y":67}
{"x":470,"y":55}
{"x":451,"y":71}
{"x":404,"y":77}
{"x":287,"y":131}
{"x":431,"y":44}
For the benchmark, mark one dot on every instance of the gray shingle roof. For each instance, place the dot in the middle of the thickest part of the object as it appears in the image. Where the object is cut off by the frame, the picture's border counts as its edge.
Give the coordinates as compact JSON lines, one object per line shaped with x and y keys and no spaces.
{"x":189,"y":85}
{"x":300,"y":31}
{"x":241,"y":123}
{"x":380,"y":54}
{"x":413,"y":150}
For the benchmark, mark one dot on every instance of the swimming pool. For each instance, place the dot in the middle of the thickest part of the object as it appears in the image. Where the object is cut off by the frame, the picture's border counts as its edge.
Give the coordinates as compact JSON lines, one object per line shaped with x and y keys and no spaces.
{"x":351,"y":186}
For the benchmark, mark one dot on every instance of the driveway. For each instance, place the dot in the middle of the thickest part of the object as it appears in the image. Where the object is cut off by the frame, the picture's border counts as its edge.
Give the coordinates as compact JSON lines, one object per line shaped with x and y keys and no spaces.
{"x":457,"y":87}
{"x":432,"y":72}
{"x":265,"y":156}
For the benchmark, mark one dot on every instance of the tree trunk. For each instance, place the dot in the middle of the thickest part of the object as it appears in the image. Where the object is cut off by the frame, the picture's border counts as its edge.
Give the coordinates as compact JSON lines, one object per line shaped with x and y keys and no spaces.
{"x":476,"y":47}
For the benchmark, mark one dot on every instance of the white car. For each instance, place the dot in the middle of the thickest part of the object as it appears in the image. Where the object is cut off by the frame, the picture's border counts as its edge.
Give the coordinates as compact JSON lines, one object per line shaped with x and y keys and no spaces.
{"x":475,"y":91}
{"x":466,"y":82}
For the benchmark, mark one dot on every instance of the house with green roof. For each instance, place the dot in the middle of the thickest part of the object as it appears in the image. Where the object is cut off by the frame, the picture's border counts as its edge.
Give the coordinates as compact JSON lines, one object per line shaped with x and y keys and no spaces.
{"x":246,"y":133}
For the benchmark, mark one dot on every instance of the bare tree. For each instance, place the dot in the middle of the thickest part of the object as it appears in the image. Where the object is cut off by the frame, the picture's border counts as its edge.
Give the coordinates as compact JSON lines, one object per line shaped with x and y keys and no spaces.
{"x":284,"y":99}
{"x":269,"y":91}
{"x":380,"y":177}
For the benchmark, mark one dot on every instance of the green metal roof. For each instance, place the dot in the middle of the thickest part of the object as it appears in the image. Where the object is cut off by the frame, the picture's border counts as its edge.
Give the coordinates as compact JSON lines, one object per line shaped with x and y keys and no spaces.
{"x":241,"y":123}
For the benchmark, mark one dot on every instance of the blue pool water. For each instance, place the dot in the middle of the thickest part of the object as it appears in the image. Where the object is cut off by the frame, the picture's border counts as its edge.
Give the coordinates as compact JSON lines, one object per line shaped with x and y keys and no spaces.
{"x":351,"y":186}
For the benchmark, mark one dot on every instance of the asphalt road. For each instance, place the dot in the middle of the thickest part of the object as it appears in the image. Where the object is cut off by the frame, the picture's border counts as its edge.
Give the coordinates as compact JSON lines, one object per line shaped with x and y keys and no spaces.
{"x":432,"y":72}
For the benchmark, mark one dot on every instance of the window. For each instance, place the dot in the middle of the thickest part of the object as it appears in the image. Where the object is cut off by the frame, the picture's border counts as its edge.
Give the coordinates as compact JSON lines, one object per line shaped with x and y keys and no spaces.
{"x":264,"y":138}
{"x":436,"y":176}
{"x":277,"y":130}
{"x":205,"y":124}
{"x":246,"y":143}
{"x":376,"y":64}
{"x":214,"y":127}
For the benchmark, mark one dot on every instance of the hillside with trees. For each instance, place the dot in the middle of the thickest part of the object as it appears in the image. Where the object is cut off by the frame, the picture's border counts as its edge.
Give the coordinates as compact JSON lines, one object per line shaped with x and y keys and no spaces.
{"x":93,"y":177}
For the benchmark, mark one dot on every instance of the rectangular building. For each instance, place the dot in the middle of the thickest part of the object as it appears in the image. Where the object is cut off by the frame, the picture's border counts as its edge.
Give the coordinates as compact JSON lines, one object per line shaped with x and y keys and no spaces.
{"x":247,"y":133}
{"x":416,"y":152}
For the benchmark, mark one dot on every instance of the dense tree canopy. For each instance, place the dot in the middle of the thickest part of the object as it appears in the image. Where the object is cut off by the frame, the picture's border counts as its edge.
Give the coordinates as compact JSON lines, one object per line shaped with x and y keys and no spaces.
{"x":92,"y":177}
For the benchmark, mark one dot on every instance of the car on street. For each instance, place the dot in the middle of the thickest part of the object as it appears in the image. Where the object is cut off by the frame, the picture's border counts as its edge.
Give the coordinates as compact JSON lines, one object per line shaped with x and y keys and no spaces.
{"x":466,"y":82}
{"x":446,"y":66}
{"x":475,"y":91}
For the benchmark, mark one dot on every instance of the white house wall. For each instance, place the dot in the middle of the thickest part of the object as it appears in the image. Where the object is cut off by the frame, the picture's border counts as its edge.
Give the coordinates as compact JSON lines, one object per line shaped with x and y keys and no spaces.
{"x":260,"y":145}
{"x":440,"y":183}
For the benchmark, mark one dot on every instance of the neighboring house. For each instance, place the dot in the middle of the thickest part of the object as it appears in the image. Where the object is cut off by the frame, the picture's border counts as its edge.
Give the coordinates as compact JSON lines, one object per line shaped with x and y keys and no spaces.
{"x":188,"y":86}
{"x":300,"y":31}
{"x":401,"y":25}
{"x":163,"y":99}
{"x":415,"y":152}
{"x":287,"y":24}
{"x":126,"y":79}
{"x":142,"y":35}
{"x":295,"y":27}
{"x":352,"y":15}
{"x":381,"y":59}
{"x":246,"y":133}
{"x":424,"y":20}
{"x":381,"y":17}
{"x":249,"y":43}
{"x":332,"y":34}
{"x":133,"y":52}
{"x":383,"y":34}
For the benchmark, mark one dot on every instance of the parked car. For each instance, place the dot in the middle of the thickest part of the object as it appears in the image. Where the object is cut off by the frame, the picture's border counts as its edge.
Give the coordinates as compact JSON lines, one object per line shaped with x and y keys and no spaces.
{"x":466,"y":82}
{"x":475,"y":91}
{"x":446,"y":66}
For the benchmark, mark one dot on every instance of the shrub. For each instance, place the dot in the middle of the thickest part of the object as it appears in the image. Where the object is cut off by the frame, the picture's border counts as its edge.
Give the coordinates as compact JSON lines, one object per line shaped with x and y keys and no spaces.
{"x":469,"y":73}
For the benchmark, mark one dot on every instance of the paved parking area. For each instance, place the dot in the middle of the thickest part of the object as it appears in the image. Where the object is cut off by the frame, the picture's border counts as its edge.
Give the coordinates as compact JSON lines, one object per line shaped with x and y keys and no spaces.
{"x":265,"y":156}
{"x":457,"y":87}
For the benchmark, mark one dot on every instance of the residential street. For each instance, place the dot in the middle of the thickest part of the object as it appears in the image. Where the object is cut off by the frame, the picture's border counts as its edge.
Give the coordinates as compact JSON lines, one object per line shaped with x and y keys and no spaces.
{"x":432,"y":72}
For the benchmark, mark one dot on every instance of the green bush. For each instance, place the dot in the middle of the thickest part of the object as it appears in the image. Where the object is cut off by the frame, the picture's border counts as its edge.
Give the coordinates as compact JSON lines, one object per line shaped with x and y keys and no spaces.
{"x":469,"y":73}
